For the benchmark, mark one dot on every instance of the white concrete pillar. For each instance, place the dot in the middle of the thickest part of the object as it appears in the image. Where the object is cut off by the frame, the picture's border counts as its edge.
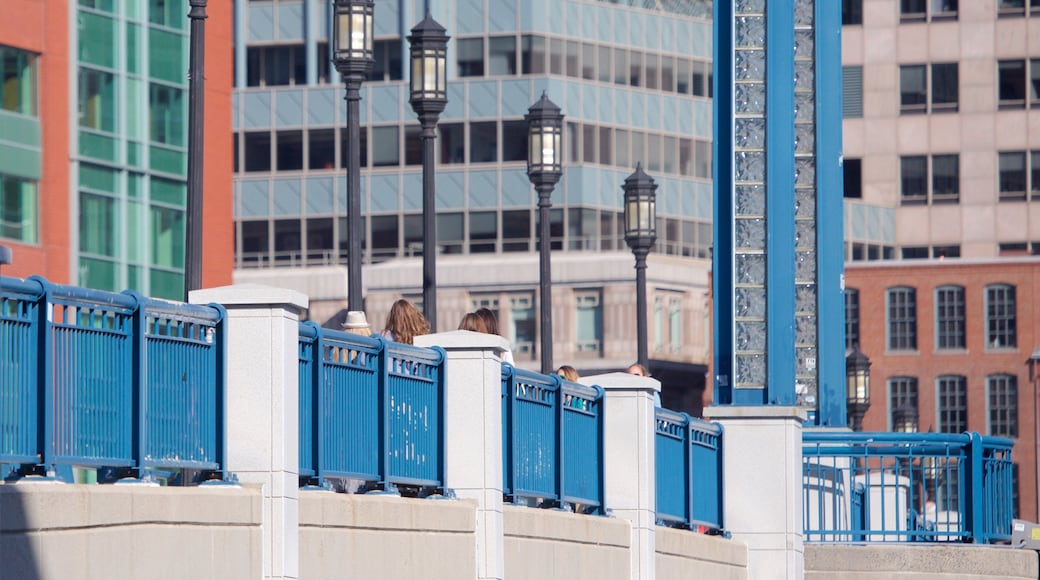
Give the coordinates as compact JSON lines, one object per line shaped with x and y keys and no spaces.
{"x":629,"y":466}
{"x":473,"y":436}
{"x":262,"y":417}
{"x":762,"y":478}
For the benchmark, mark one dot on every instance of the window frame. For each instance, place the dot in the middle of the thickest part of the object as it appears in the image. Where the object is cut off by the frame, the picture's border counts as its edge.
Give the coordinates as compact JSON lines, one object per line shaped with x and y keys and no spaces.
{"x":1002,"y":405}
{"x":1001,"y":327}
{"x":901,"y":330}
{"x":950,"y":318}
{"x":902,"y":391}
{"x":951,"y":396}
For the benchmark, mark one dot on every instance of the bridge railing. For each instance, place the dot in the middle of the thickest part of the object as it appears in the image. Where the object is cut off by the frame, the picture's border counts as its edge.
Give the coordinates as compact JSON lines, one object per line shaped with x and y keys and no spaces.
{"x":101,"y":379}
{"x":552,"y":440}
{"x":688,"y":458}
{"x":370,"y":410}
{"x":906,"y":487}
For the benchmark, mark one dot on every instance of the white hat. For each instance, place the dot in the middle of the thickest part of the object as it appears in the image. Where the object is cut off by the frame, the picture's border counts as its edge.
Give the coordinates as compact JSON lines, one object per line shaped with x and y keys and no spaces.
{"x":356,"y":319}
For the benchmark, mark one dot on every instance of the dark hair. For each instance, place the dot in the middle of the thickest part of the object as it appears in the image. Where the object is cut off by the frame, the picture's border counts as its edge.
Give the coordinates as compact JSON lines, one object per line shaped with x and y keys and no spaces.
{"x":490,"y":322}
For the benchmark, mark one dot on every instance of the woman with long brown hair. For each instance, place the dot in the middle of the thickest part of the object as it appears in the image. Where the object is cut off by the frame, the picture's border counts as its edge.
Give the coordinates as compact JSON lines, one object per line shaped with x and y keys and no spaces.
{"x":405,"y":322}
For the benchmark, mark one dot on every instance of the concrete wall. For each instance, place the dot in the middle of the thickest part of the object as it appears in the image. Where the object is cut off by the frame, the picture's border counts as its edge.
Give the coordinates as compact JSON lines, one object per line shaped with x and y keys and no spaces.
{"x":383,"y":536}
{"x":680,"y":551}
{"x":921,"y":562}
{"x":101,"y":532}
{"x":552,"y":545}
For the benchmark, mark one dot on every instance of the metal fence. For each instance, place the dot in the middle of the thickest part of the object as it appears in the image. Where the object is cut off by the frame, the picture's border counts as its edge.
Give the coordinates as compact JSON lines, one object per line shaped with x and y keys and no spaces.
{"x":102,"y":379}
{"x":370,"y":410}
{"x":906,"y":487}
{"x":552,"y":441}
{"x":689,"y":471}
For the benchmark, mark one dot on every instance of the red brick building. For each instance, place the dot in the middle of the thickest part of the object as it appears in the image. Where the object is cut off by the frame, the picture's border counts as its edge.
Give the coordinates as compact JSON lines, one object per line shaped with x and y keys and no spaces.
{"x":949,"y":342}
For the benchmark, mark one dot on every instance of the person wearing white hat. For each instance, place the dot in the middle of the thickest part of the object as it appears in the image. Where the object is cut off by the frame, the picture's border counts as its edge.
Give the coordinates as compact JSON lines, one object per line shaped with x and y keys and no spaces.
{"x":357,"y":323}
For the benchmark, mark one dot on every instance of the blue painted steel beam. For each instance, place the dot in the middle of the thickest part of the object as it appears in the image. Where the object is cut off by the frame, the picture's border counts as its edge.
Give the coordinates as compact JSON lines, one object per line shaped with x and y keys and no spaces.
{"x":722,"y":169}
{"x":830,"y":235}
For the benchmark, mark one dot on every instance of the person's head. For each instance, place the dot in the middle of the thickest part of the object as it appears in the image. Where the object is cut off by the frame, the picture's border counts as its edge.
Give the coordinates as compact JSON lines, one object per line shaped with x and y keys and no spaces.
{"x":638,"y":370}
{"x":490,"y":322}
{"x":568,"y":373}
{"x":473,"y":323}
{"x":406,"y":322}
{"x":357,"y":323}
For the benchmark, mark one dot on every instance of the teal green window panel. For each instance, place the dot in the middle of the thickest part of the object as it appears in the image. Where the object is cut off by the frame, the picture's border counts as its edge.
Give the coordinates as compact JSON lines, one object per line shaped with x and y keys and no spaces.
{"x":167,"y":237}
{"x":98,"y":225}
{"x":167,"y":115}
{"x":20,"y":161}
{"x":169,"y":13}
{"x":17,"y":81}
{"x":135,"y":279}
{"x":20,"y":130}
{"x":97,"y":100}
{"x":99,"y":178}
{"x":103,"y":5}
{"x":135,"y":232}
{"x":164,"y":284}
{"x":97,"y":146}
{"x":97,"y":35}
{"x":166,"y":56}
{"x":133,"y":48}
{"x":99,"y":274}
{"x":169,"y":191}
{"x":167,"y":160}
{"x":19,"y":209}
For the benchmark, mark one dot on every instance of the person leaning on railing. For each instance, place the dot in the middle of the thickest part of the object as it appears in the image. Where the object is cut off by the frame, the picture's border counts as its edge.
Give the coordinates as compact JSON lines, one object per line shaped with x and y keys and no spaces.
{"x":356,"y":323}
{"x":491,"y":323}
{"x":405,"y":322}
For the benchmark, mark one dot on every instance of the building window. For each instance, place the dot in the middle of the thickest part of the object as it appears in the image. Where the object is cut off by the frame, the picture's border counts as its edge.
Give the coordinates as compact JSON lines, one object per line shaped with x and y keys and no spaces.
{"x":853,"y":169}
{"x":470,"y":53}
{"x":851,"y":319}
{"x":1002,"y":394}
{"x":914,"y":83}
{"x":902,"y":395}
{"x":387,"y":55}
{"x":953,"y":404}
{"x":902,"y":318}
{"x":923,"y":10}
{"x":851,"y":12}
{"x":19,"y":213}
{"x":589,"y":321}
{"x":1019,"y":177}
{"x":1018,"y":7}
{"x":166,"y":112}
{"x":17,"y":81}
{"x":1000,"y":316}
{"x":386,"y":146}
{"x":522,"y":327}
{"x":533,"y":52}
{"x":279,"y":65}
{"x":483,"y":142}
{"x":949,"y":317}
{"x":502,"y":55}
{"x":453,"y":142}
{"x":1018,"y":85}
{"x":258,"y":151}
{"x":675,"y":325}
{"x":852,"y":92}
{"x":917,"y":188}
{"x":97,"y":100}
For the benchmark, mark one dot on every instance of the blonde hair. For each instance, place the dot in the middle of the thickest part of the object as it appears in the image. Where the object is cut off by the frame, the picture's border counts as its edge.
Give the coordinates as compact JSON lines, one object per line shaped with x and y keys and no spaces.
{"x":473,"y":322}
{"x":405,"y":322}
{"x":568,"y":373}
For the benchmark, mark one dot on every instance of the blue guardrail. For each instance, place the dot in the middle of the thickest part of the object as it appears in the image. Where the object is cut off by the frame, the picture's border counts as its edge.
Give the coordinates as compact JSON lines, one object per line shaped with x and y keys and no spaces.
{"x":689,"y":471}
{"x":109,"y":380}
{"x":370,"y":410}
{"x":552,"y":441}
{"x":906,"y":487}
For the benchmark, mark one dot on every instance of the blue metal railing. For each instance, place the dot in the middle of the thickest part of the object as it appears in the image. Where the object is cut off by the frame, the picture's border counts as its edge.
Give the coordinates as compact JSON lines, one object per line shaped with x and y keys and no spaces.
{"x":552,"y":440}
{"x":689,"y":471}
{"x":906,"y":487}
{"x":370,"y":410}
{"x":102,"y":379}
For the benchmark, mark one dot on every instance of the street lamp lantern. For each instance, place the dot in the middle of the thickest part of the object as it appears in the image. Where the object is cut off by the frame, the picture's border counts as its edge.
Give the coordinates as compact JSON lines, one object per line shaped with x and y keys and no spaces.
{"x":857,"y":386}
{"x":640,"y":234}
{"x":353,"y":36}
{"x":544,"y":168}
{"x":428,"y":97}
{"x":429,"y":51}
{"x":353,"y":58}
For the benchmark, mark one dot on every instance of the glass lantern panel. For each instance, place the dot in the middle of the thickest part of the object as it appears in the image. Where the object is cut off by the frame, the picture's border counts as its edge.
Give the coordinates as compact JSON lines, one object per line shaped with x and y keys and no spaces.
{"x":357,"y":32}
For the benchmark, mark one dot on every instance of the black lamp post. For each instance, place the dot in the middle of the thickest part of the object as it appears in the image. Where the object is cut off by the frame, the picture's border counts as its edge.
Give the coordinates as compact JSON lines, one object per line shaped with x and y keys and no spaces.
{"x":429,"y":95}
{"x":640,"y":234}
{"x":352,"y":55}
{"x":857,"y":387}
{"x":1034,"y":378}
{"x":196,"y":124}
{"x":544,"y":139}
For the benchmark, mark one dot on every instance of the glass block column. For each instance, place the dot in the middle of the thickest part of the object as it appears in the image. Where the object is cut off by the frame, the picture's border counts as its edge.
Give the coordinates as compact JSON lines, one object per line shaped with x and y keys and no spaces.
{"x":778,"y":209}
